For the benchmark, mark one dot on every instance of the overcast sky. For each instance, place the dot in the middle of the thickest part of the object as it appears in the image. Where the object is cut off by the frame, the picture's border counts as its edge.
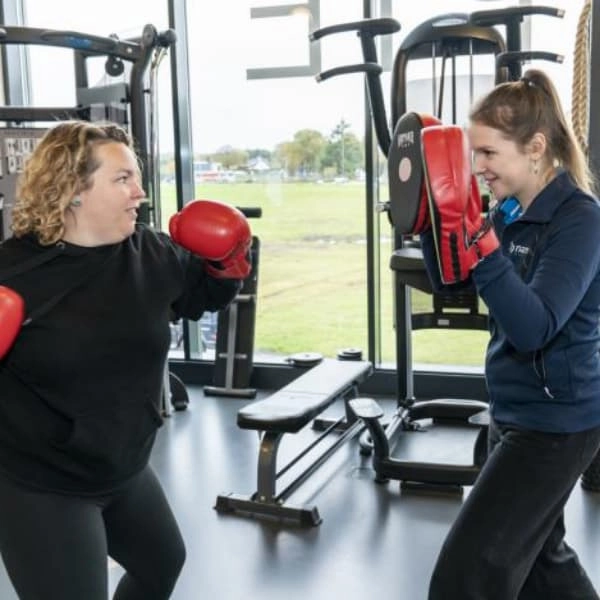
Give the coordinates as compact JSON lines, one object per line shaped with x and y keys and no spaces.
{"x":226,"y":107}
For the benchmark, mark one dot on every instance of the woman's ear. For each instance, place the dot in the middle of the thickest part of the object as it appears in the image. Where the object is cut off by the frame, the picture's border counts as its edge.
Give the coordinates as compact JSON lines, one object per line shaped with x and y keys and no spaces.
{"x":537,"y":146}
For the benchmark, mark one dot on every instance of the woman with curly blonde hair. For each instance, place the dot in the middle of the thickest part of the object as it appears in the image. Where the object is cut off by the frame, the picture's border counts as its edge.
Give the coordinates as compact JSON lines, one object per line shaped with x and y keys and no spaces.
{"x":81,"y":383}
{"x":44,"y":196}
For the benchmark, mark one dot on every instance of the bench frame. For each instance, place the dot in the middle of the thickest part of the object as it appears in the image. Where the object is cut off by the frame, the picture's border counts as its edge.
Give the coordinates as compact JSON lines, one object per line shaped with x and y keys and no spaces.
{"x":267,"y":501}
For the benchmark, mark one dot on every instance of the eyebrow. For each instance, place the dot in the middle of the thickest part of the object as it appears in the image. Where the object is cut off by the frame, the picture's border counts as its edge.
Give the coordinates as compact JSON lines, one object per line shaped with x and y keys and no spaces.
{"x":128,"y":172}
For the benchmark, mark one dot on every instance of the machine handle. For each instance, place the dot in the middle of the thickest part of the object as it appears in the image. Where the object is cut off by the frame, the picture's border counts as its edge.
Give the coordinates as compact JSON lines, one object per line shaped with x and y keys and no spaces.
{"x":381,"y":26}
{"x":372,"y":68}
{"x":251,"y":212}
{"x":502,"y":16}
{"x":366,"y":30}
{"x":505,"y":59}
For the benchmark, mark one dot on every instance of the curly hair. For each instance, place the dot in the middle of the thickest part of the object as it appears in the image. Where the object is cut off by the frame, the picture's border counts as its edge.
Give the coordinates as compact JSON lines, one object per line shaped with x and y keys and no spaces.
{"x":61,"y":166}
{"x":521,"y":108}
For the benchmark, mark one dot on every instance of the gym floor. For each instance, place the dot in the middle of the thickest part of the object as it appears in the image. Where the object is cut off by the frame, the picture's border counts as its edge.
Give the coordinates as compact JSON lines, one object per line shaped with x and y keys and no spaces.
{"x":374,"y":540}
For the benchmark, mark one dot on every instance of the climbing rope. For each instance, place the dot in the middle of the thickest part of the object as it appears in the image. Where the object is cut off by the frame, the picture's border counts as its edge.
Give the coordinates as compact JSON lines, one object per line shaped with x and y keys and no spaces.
{"x":581,"y":77}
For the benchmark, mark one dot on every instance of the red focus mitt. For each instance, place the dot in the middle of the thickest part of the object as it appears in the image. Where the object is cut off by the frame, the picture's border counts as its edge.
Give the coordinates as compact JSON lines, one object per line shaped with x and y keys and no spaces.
{"x":12,"y":313}
{"x":462,"y":236}
{"x":409,"y":210}
{"x":216,"y":232}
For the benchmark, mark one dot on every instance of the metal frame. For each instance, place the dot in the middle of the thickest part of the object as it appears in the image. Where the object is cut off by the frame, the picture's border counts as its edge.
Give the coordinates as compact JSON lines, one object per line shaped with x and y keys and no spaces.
{"x":182,"y":129}
{"x":290,"y":410}
{"x":15,"y":68}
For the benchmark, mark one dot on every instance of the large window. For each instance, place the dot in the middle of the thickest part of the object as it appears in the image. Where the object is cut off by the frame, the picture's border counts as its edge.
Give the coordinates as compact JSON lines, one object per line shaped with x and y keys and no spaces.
{"x":249,"y":109}
{"x":266,"y":134}
{"x":294,"y":148}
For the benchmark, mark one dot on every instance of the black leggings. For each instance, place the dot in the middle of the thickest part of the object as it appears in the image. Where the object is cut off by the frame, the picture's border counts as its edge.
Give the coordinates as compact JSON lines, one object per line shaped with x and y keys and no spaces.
{"x":508,"y":542}
{"x":55,"y":547}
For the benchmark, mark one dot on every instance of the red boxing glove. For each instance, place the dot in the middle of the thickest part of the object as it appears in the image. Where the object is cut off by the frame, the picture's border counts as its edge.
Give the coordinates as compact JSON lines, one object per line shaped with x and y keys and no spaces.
{"x":481,"y":237}
{"x":461,"y":235}
{"x":216,"y":232}
{"x":12,"y":313}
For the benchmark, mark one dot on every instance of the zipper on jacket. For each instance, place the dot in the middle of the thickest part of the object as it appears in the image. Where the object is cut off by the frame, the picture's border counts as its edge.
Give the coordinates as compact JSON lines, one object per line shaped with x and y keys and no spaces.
{"x":541,"y":372}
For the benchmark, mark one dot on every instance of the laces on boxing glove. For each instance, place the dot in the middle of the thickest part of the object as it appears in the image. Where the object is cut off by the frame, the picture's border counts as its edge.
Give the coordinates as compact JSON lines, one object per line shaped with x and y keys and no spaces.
{"x":237,"y":265}
{"x":484,"y":241}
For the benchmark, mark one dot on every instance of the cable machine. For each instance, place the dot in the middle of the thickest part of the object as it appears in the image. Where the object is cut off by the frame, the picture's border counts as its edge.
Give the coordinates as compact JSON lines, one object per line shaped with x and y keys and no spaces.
{"x":128,"y":98}
{"x":442,"y":40}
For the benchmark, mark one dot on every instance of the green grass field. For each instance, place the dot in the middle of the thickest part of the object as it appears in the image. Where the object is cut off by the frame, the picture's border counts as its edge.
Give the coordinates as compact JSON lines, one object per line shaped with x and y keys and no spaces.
{"x":312,"y":277}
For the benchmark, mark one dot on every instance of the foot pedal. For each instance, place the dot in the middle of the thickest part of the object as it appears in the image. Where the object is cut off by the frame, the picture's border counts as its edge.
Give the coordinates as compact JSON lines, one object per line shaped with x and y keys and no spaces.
{"x":366,"y":408}
{"x":481,"y":418}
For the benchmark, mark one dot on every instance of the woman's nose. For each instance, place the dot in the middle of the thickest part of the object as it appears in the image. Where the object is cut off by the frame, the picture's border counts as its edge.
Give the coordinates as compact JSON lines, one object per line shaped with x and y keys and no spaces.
{"x":478,"y":164}
{"x":138,"y":190}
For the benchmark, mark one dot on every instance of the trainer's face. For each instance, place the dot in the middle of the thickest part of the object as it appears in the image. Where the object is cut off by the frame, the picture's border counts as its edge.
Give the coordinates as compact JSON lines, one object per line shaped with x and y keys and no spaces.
{"x":108,"y":209}
{"x":505,"y":166}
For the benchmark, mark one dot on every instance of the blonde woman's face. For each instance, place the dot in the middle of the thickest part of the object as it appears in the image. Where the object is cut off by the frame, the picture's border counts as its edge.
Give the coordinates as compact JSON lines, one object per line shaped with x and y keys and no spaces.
{"x":109,"y":208}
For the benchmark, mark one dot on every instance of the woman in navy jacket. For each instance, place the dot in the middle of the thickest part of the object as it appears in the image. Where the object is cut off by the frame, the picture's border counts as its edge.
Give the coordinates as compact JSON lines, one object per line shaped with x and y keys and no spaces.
{"x":542,"y":367}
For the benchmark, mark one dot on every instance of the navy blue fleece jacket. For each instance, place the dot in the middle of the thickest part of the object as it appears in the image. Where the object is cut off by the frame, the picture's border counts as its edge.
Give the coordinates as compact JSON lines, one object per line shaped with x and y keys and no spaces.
{"x":542,"y":289}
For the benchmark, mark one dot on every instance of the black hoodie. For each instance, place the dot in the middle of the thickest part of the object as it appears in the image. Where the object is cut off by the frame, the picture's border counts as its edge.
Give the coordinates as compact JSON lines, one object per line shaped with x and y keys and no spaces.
{"x":80,"y":390}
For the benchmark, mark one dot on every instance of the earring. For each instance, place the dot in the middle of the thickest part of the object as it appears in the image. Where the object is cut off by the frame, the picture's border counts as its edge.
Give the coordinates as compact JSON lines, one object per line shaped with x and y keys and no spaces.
{"x":536,"y":167}
{"x":76,"y":201}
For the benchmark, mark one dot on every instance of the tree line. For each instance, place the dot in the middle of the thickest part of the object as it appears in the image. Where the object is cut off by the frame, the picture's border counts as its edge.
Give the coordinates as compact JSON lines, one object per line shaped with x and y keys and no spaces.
{"x":309,"y":155}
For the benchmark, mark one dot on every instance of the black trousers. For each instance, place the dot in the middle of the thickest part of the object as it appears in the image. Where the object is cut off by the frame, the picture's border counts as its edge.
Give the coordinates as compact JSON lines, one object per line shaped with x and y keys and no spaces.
{"x":55,"y":547}
{"x":508,"y":542}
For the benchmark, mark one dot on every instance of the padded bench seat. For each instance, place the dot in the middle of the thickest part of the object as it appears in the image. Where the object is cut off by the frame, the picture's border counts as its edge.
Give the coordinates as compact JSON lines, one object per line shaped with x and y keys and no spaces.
{"x":294,"y":406}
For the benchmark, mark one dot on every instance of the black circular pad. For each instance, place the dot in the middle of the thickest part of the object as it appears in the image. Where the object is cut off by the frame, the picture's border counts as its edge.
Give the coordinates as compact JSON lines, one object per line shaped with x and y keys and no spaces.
{"x":350,"y":354}
{"x":305,"y":359}
{"x":408,"y":196}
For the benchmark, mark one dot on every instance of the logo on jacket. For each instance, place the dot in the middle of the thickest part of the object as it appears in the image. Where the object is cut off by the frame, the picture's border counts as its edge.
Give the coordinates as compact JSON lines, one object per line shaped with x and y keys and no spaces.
{"x":518,"y":249}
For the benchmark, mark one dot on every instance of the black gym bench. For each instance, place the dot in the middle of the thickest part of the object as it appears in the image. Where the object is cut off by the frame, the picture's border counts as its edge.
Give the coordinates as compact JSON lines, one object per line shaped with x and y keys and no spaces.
{"x":289,"y":410}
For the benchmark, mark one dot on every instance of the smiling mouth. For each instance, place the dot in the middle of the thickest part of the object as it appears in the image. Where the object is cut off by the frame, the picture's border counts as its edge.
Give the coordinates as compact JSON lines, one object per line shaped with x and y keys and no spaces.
{"x":490,"y":183}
